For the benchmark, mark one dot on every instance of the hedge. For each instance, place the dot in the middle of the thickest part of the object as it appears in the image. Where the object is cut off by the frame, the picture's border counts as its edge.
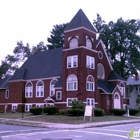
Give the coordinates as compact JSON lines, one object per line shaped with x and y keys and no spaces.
{"x":133,"y":111}
{"x":118,"y":112}
{"x":50,"y":110}
{"x":62,"y":112}
{"x":36,"y":110}
{"x":99,"y":112}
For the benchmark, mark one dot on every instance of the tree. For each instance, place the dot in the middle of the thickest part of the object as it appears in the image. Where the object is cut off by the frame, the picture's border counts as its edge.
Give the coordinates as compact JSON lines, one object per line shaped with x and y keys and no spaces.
{"x":122,"y":43}
{"x":56,"y":38}
{"x":40,"y":47}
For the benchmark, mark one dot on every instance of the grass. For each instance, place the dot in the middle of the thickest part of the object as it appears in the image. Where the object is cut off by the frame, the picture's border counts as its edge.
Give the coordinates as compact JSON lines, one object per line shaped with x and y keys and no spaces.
{"x":62,"y":118}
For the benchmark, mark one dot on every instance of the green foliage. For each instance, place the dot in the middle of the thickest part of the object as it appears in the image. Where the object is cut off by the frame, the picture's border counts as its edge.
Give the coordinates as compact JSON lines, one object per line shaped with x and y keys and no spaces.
{"x":118,"y":112}
{"x":75,"y":112}
{"x":138,"y":99}
{"x":99,"y":112}
{"x":56,"y":39}
{"x":122,"y":44}
{"x":50,"y":110}
{"x":36,"y":110}
{"x":62,"y":112}
{"x":129,"y":89}
{"x":133,"y":111}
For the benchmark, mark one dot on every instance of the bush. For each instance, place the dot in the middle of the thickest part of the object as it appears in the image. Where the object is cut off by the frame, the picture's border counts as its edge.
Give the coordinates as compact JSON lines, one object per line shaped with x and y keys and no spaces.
{"x":118,"y":112}
{"x":133,"y":111}
{"x":99,"y":112}
{"x":74,"y":112}
{"x":62,"y":112}
{"x":36,"y":110}
{"x":50,"y":110}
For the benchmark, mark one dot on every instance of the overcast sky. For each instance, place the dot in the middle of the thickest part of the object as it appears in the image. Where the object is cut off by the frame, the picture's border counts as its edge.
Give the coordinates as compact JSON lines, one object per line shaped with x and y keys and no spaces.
{"x":32,"y":20}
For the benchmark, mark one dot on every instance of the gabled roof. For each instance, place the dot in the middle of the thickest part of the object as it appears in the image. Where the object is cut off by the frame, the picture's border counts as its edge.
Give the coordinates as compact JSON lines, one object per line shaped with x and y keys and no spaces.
{"x":4,"y":83}
{"x":59,"y":82}
{"x":106,"y":86}
{"x":115,"y":76}
{"x":80,"y":20}
{"x":41,"y":65}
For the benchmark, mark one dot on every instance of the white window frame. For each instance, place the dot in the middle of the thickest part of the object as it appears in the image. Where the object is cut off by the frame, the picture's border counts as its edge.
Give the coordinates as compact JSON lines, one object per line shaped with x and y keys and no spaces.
{"x":122,"y":89}
{"x":14,"y":107}
{"x":72,"y":61}
{"x":7,"y":94}
{"x":90,"y":85}
{"x":69,"y":101}
{"x":57,"y":96}
{"x":90,"y":101}
{"x":40,"y":89}
{"x":28,"y":107}
{"x":40,"y":105}
{"x":90,"y":62}
{"x":73,"y":43}
{"x":52,"y":89}
{"x":29,"y":90}
{"x":89,"y":43}
{"x":73,"y":84}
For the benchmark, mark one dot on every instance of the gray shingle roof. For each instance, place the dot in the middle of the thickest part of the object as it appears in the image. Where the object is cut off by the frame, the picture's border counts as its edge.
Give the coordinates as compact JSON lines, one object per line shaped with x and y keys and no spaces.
{"x":4,"y":83}
{"x":59,"y":82}
{"x":41,"y":65}
{"x":115,"y":76}
{"x":106,"y":86}
{"x":133,"y":81}
{"x":80,"y":20}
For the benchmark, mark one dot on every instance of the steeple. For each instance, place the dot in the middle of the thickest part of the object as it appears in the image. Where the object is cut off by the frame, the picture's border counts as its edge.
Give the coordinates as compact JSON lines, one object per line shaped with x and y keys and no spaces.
{"x":80,"y":20}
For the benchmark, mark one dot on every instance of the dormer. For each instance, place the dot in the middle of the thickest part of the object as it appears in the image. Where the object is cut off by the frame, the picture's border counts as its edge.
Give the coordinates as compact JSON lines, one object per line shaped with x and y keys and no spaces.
{"x":79,"y":32}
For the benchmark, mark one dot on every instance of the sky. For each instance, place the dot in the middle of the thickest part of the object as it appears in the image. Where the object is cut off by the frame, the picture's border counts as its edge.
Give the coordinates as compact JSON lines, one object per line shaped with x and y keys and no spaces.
{"x":32,"y":20}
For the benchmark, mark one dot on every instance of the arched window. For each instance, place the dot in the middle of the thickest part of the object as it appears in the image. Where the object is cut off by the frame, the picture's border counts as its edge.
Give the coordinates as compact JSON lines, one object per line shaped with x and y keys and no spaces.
{"x":52,"y":84}
{"x":29,"y":90}
{"x":88,"y":43}
{"x":73,"y":42}
{"x":90,"y":83}
{"x":101,"y":71}
{"x":40,"y":89}
{"x":72,"y":82}
{"x":116,"y":96}
{"x":122,"y":89}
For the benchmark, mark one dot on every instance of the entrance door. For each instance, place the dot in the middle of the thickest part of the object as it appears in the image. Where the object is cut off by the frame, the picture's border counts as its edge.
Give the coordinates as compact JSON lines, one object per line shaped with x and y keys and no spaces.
{"x":117,"y":103}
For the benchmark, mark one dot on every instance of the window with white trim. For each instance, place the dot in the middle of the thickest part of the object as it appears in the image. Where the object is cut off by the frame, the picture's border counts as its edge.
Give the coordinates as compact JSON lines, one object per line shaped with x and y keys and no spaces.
{"x":72,"y":61}
{"x":28,"y":90}
{"x":90,"y":101}
{"x":59,"y":95}
{"x":72,"y":82}
{"x":14,"y":107}
{"x":40,"y":89}
{"x":90,"y":62}
{"x":88,"y":43}
{"x":69,"y":101}
{"x":73,"y":43}
{"x":122,"y":89}
{"x":90,"y":83}
{"x":27,"y":107}
{"x":52,"y":89}
{"x":7,"y":94}
{"x":108,"y":102}
{"x":39,"y":105}
{"x":101,"y":71}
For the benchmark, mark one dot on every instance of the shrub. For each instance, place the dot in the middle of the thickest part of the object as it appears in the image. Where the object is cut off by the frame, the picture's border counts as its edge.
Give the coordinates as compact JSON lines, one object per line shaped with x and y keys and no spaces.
{"x":36,"y":110}
{"x":118,"y":112}
{"x":133,"y":111}
{"x":50,"y":110}
{"x":75,"y":112}
{"x":99,"y":112}
{"x":62,"y":112}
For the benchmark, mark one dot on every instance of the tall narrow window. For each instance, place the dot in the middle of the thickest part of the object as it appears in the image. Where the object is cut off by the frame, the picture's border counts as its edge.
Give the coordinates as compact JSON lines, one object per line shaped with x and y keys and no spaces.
{"x":40,"y":89}
{"x":72,"y":61}
{"x":90,"y":62}
{"x":52,"y":89}
{"x":101,"y":71}
{"x":88,"y":43}
{"x":122,"y":89}
{"x":73,"y":43}
{"x":58,"y":95}
{"x":90,"y":101}
{"x":90,"y":83}
{"x":7,"y":94}
{"x":28,"y":90}
{"x":72,"y":82}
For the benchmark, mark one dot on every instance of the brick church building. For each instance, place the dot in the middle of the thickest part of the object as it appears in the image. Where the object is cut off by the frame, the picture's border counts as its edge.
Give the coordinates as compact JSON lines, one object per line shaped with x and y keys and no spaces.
{"x":79,"y":70}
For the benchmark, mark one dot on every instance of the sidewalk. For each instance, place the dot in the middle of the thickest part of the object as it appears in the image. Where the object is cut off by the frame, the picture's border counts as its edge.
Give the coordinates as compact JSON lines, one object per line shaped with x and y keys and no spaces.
{"x":65,"y":126}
